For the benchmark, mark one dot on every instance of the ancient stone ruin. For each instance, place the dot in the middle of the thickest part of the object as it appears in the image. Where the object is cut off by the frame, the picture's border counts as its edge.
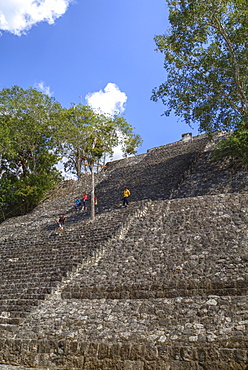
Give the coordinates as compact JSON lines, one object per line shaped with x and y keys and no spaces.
{"x":161,"y":284}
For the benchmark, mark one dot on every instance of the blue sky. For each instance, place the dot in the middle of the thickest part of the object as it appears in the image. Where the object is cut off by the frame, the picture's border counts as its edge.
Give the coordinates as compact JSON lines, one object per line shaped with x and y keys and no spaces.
{"x":98,"y":52}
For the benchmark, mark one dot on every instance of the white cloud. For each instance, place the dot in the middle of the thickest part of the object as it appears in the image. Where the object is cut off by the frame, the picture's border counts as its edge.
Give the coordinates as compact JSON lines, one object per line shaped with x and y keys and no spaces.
{"x":109,"y":100}
{"x":43,"y":88}
{"x":18,"y":16}
{"x":118,"y":154}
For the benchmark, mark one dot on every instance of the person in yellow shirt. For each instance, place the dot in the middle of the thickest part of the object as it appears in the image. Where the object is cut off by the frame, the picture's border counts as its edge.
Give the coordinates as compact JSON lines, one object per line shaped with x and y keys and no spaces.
{"x":126,"y":195}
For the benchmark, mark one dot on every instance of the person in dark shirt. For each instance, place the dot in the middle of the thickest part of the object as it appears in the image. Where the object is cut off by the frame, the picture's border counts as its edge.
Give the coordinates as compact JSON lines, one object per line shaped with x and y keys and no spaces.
{"x":61,"y":221}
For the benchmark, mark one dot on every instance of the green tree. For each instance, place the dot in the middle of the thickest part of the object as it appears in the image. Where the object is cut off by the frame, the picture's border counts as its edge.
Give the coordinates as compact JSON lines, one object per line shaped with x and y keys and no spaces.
{"x":72,"y":137}
{"x":28,"y":120}
{"x":90,"y":136}
{"x":206,"y":59}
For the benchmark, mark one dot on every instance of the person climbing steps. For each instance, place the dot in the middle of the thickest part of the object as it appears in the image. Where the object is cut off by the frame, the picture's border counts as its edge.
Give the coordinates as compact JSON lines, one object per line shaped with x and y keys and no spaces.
{"x":61,"y":221}
{"x":126,"y":195}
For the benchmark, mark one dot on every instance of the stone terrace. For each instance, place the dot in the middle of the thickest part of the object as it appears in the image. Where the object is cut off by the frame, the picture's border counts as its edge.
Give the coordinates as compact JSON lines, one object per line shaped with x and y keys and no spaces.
{"x":159,"y":285}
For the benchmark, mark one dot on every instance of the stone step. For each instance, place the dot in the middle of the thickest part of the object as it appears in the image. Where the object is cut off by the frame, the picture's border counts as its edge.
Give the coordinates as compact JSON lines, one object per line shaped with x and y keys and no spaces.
{"x":10,"y":320}
{"x":7,"y":328}
{"x":145,"y":291}
{"x":13,"y":314}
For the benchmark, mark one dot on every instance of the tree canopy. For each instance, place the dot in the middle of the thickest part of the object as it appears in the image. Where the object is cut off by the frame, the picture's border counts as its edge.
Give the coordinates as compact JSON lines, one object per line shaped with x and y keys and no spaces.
{"x":87,"y":137}
{"x":92,"y":136}
{"x":36,"y":132}
{"x":28,"y":156}
{"x":206,"y":59}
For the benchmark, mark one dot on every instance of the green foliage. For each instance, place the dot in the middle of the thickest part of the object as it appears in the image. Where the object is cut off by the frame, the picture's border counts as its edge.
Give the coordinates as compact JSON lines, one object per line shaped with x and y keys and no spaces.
{"x":235,"y":146}
{"x":206,"y":59}
{"x":35,"y":132}
{"x":28,"y":120}
{"x":88,"y":137}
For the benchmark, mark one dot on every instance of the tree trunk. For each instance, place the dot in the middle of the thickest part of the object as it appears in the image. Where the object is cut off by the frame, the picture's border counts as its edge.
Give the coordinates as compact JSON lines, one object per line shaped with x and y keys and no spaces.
{"x":92,"y":192}
{"x":1,"y":169}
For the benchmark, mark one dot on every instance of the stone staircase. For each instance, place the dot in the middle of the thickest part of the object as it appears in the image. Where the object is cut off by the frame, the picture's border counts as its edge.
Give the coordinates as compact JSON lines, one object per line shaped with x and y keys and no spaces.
{"x":32,"y":267}
{"x":177,"y":248}
{"x":161,"y":284}
{"x":164,"y":292}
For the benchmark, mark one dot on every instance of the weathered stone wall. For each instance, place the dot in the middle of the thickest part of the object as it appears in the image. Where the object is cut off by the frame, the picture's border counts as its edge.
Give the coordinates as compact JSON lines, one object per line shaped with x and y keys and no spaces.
{"x":161,"y":284}
{"x":209,"y":176}
{"x":71,"y":354}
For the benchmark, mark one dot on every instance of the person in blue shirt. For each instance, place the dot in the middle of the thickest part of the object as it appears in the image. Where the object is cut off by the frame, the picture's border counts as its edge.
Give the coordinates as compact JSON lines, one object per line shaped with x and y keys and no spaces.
{"x":77,"y":204}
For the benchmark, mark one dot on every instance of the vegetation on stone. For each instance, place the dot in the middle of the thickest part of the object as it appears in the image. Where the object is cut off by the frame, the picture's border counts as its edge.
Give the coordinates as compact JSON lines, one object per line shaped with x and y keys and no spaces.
{"x":235,"y":146}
